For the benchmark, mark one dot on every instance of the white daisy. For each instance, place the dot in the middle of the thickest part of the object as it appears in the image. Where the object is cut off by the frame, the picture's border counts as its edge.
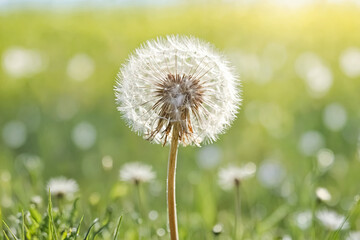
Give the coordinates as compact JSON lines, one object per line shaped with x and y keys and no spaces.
{"x":332,"y":220}
{"x":231,"y":176}
{"x":177,"y":81}
{"x":62,"y":187}
{"x":136,"y":173}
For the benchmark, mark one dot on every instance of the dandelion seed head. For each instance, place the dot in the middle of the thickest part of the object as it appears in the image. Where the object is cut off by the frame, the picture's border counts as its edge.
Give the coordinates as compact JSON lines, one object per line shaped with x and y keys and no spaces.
{"x":323,"y":194}
{"x":332,"y":220}
{"x":62,"y":187}
{"x":354,"y":235}
{"x":136,"y":173}
{"x":231,"y":176}
{"x":303,"y":219}
{"x":177,"y":81}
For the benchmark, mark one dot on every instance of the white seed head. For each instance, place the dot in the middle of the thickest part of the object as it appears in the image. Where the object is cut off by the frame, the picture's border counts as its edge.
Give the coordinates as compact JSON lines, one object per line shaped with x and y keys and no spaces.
{"x":231,"y":176}
{"x":332,"y":220}
{"x":62,"y":187}
{"x":323,"y":194}
{"x":136,"y":173}
{"x":177,"y":81}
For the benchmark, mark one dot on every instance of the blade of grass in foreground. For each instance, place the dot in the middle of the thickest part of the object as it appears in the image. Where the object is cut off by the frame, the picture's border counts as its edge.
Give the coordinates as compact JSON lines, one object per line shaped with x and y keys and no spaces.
{"x":52,"y":228}
{"x":116,"y":232}
{"x":12,"y":234}
{"x":78,"y":228}
{"x":92,"y":225}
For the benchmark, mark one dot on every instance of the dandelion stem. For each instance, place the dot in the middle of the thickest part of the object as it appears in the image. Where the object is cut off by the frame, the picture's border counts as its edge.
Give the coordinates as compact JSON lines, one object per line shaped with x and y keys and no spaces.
{"x":237,"y":207}
{"x":171,"y":183}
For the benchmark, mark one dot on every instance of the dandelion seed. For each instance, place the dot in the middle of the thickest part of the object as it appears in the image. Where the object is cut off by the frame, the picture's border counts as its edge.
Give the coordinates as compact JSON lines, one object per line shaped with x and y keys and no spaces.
{"x":232,"y":176}
{"x":177,"y":80}
{"x":332,"y":220}
{"x":62,"y":187}
{"x":137,"y":173}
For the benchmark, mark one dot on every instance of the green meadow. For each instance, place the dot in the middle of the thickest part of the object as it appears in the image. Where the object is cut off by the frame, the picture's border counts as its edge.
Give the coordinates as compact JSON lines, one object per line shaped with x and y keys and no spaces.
{"x":299,"y":123}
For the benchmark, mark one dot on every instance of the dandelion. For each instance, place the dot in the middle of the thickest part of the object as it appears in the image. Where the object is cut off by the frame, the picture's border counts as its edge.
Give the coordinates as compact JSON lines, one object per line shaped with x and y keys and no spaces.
{"x":332,"y":220}
{"x":178,"y":90}
{"x":62,"y":187}
{"x":303,"y":219}
{"x":232,"y":177}
{"x":217,"y":230}
{"x":323,"y":194}
{"x":354,"y":236}
{"x":136,"y":173}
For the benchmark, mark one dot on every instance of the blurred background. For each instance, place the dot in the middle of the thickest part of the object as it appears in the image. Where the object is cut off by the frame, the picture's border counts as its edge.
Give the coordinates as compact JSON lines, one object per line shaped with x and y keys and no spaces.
{"x":299,"y":62}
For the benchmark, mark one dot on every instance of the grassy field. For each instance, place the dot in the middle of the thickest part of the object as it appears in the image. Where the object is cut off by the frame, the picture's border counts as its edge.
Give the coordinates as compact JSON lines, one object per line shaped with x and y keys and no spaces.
{"x":299,"y":123}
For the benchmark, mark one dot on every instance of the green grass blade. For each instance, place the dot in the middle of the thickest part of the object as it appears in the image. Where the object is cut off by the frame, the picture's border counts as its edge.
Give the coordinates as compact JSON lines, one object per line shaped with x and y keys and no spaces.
{"x":116,"y":232}
{"x":12,"y":234}
{"x":7,"y":238}
{"x":52,"y":228}
{"x":78,"y":228}
{"x":23,"y":225}
{"x":88,"y":231}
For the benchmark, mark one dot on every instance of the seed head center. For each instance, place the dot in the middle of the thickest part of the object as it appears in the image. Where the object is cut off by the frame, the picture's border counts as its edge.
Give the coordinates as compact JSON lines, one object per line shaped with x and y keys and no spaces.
{"x":177,"y":97}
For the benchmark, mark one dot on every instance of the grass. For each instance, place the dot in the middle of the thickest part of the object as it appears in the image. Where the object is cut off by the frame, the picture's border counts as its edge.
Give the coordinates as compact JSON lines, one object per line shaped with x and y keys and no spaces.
{"x":277,"y":110}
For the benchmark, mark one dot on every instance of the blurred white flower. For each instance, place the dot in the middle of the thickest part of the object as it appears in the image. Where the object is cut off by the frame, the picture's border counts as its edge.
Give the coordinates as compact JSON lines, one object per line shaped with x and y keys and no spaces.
{"x":160,"y":232}
{"x":84,"y":135}
{"x":177,"y":81}
{"x":80,"y":67}
{"x":209,"y":157}
{"x":354,"y":236}
{"x":66,"y":108}
{"x":334,"y":116}
{"x":232,"y":176}
{"x":14,"y":134}
{"x":20,"y":62}
{"x":5,"y":176}
{"x":311,"y":142}
{"x":323,"y":194}
{"x":153,"y":215}
{"x":37,"y":200}
{"x":325,"y":158}
{"x":332,"y":220}
{"x":271,"y":173}
{"x":315,"y":73}
{"x":303,"y":219}
{"x":136,"y":173}
{"x":107,"y":162}
{"x":350,"y":62}
{"x":217,"y":229}
{"x":62,"y":187}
